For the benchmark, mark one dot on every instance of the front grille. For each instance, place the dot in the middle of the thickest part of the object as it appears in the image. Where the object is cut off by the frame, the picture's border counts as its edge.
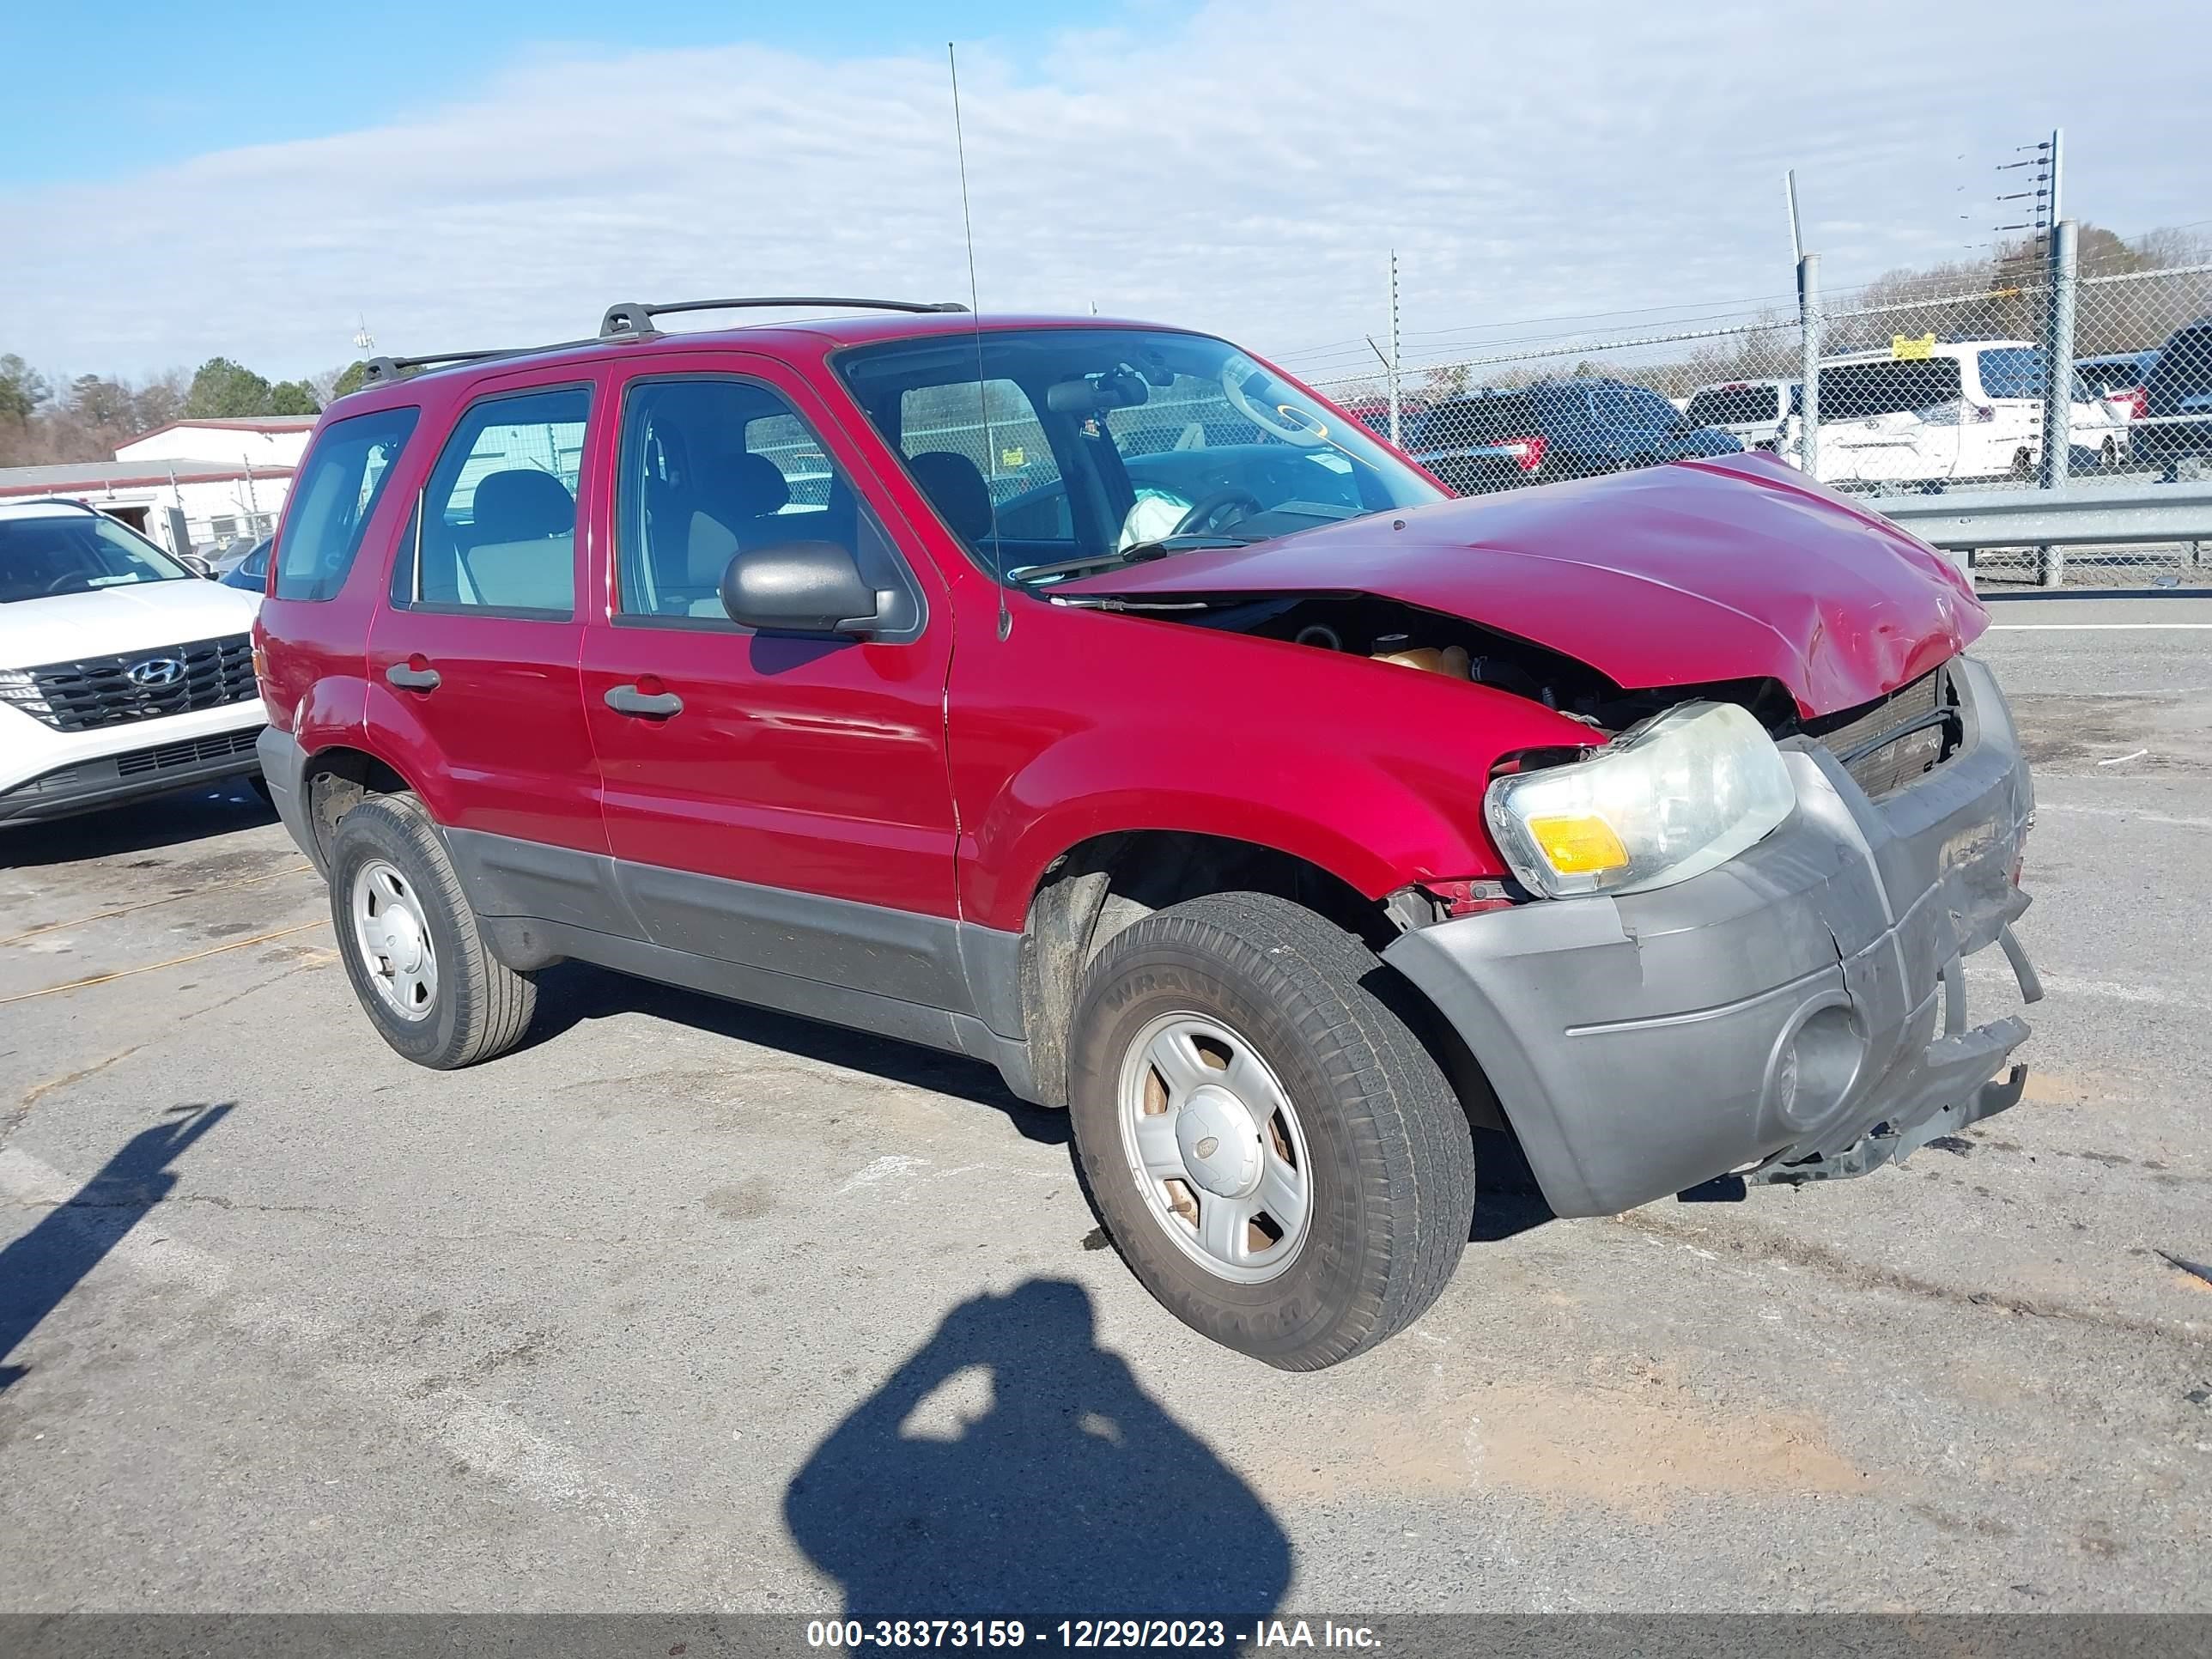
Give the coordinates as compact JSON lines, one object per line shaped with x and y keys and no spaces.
{"x":1900,"y":740}
{"x":173,"y":679}
{"x":187,"y":754}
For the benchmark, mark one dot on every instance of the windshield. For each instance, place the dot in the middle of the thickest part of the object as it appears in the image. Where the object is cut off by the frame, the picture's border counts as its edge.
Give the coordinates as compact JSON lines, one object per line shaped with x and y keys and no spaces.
{"x":1083,"y":447}
{"x":46,"y":554}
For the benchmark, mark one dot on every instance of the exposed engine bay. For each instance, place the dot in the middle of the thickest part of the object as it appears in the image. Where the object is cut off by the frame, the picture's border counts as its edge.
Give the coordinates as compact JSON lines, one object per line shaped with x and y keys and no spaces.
{"x":1390,"y":630}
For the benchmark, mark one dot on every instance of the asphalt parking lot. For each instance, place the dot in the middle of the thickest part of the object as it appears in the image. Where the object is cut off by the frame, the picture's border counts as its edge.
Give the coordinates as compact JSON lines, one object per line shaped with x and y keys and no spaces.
{"x":685,"y":1307}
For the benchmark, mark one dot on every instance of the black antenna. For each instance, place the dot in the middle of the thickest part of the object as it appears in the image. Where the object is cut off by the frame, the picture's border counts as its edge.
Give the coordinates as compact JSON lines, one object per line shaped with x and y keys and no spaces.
{"x":975,"y":310}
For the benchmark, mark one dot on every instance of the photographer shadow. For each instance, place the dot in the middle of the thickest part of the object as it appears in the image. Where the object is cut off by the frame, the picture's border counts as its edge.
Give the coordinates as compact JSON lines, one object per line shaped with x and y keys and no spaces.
{"x":1072,"y":1494}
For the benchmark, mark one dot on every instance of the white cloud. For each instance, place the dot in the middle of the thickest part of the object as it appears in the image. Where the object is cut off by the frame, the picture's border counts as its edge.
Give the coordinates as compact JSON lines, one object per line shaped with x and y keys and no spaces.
{"x":1243,"y":170}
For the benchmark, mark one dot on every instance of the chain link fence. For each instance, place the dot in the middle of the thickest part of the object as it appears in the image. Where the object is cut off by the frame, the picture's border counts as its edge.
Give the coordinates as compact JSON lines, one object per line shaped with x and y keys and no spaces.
{"x":1936,"y":383}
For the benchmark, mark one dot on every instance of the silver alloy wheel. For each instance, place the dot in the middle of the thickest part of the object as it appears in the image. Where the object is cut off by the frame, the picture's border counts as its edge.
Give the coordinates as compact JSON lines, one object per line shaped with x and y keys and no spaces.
{"x":1215,"y":1146}
{"x":394,"y":940}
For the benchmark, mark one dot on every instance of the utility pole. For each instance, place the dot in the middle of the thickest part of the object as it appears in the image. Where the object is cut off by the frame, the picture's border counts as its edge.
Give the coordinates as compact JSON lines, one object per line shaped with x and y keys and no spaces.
{"x":1809,"y":322}
{"x":1394,"y":435}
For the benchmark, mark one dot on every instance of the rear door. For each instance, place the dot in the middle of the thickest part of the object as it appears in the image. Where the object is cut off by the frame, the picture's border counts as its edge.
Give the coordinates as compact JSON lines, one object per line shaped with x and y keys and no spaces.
{"x":2011,"y":382}
{"x":472,"y":661}
{"x":777,"y":802}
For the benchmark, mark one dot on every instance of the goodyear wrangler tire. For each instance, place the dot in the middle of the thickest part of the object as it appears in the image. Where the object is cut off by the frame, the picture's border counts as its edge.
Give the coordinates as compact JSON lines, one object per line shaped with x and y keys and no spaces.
{"x":410,"y":942}
{"x":1271,"y":1149}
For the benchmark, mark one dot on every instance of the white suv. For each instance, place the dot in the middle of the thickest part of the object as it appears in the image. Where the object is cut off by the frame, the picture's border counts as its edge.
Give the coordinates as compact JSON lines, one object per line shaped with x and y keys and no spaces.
{"x":121,"y":673}
{"x":1968,"y":409}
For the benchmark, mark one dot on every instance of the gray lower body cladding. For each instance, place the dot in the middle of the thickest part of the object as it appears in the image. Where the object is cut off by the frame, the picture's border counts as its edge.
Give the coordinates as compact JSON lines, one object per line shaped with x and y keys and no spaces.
{"x":931,"y":979}
{"x":1799,"y":1008}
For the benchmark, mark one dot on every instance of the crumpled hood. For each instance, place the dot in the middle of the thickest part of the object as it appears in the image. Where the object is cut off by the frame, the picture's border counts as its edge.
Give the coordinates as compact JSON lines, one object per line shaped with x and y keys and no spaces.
{"x":115,"y":621}
{"x":1736,"y":567}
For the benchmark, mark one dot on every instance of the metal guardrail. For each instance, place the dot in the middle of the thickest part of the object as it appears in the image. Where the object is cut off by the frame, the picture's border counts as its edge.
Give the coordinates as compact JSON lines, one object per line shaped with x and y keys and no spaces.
{"x":2112,"y":515}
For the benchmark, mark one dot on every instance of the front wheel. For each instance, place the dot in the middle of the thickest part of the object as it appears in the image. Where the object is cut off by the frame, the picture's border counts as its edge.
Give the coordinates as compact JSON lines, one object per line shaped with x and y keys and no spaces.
{"x":1274,"y":1152}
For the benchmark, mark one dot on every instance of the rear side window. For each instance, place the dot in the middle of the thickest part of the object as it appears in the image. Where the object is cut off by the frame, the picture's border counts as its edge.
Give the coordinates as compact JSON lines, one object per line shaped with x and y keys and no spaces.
{"x":2183,"y":368}
{"x":338,"y":487}
{"x":1463,"y":423}
{"x":1854,"y":390}
{"x":1734,"y":405}
{"x":2014,"y":372}
{"x":1632,"y":406}
{"x":495,"y":529}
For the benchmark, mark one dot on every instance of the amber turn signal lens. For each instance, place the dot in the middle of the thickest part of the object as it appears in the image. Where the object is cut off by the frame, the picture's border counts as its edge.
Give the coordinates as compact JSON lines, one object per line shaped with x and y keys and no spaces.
{"x":1577,"y":847}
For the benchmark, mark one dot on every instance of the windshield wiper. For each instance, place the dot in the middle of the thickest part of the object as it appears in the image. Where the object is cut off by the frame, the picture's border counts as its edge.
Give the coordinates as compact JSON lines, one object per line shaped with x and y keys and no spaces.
{"x":1135,"y":553}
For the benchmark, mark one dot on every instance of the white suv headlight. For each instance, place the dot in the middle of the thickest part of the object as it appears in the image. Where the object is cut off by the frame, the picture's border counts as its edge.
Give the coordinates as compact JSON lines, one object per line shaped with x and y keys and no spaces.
{"x":1668,"y":800}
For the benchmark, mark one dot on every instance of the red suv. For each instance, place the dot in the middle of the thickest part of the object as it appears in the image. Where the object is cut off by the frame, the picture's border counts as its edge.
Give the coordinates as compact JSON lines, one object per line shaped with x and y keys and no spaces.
{"x":1094,"y":700}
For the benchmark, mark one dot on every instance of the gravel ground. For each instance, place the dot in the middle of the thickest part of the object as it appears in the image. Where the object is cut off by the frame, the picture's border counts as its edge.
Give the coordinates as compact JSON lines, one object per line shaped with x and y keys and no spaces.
{"x":685,"y":1306}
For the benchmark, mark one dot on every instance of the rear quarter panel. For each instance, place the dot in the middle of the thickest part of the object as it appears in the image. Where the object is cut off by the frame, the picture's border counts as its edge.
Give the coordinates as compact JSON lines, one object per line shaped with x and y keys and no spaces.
{"x":314,"y":651}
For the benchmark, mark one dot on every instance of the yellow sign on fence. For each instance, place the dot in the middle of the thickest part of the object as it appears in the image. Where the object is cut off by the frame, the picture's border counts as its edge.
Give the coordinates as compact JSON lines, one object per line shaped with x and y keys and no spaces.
{"x":1907,"y":346}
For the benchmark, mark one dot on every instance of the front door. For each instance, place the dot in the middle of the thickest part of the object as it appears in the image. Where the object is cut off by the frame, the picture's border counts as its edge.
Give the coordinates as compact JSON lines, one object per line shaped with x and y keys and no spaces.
{"x":777,"y":802}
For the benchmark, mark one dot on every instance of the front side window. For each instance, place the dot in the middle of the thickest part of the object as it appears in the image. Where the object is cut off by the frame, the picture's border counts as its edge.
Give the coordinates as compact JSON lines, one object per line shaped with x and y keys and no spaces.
{"x":1072,"y":449}
{"x":495,"y":529}
{"x":44,"y":555}
{"x":337,"y":490}
{"x":712,"y":467}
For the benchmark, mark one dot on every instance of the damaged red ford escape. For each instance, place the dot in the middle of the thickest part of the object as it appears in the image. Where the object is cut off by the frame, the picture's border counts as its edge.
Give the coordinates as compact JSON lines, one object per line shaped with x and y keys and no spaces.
{"x":1096,"y":700}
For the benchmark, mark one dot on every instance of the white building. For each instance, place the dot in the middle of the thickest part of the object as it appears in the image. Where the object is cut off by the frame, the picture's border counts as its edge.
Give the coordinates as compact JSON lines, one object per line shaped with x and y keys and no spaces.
{"x":191,"y":485}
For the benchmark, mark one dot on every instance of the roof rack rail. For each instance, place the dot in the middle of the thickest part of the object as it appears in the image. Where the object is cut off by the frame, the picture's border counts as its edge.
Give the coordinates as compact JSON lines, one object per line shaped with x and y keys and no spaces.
{"x":377,"y":370}
{"x":630,"y":318}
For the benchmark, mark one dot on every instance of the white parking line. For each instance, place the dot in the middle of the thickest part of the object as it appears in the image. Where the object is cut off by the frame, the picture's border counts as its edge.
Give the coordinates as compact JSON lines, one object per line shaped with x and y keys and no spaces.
{"x":2084,"y":628}
{"x":490,"y":1436}
{"x":2066,"y":984}
{"x":2127,"y":812}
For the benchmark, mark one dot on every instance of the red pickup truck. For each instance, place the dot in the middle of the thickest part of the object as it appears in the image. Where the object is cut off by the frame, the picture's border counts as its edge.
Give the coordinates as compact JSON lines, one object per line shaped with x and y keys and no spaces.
{"x":1093,"y":699}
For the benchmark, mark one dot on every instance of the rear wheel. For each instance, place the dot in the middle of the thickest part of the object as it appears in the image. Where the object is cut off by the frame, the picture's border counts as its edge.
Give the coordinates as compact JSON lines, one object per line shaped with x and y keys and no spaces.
{"x":1271,"y":1148}
{"x":411,"y":943}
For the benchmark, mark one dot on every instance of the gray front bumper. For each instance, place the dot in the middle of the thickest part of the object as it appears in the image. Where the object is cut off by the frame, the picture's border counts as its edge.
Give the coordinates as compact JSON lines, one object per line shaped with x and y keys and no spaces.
{"x":1642,"y":1045}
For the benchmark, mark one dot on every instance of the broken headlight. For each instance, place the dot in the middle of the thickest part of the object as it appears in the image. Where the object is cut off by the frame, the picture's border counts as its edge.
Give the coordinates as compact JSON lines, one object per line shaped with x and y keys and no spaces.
{"x":1669,"y":799}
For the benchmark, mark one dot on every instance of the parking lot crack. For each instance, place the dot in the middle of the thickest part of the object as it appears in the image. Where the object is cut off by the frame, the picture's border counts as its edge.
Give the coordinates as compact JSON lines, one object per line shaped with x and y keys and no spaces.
{"x":1858,"y":1275}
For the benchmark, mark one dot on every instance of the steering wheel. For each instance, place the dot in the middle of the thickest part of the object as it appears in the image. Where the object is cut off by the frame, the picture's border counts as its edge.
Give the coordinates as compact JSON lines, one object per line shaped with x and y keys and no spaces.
{"x":1209,"y":507}
{"x":62,"y":583}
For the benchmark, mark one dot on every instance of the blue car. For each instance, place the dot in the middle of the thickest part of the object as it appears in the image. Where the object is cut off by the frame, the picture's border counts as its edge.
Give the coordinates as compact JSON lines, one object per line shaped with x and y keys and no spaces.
{"x":1568,"y":429}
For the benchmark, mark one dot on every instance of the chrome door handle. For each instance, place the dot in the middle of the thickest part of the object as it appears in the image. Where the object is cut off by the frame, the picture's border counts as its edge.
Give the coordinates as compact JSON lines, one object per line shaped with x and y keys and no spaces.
{"x":628,"y":700}
{"x":412,"y":679}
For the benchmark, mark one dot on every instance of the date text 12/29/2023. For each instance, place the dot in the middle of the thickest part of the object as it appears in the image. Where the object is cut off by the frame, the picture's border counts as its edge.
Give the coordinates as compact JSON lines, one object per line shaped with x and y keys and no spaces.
{"x":1074,"y":1634}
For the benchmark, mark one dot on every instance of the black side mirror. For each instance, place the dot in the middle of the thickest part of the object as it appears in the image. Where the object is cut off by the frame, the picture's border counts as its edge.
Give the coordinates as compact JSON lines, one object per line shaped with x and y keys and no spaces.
{"x":801,"y":588}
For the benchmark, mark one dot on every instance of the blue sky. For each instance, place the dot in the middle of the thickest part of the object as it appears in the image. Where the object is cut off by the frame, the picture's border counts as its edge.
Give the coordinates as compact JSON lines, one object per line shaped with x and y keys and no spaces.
{"x":255,"y":181}
{"x":215,"y":74}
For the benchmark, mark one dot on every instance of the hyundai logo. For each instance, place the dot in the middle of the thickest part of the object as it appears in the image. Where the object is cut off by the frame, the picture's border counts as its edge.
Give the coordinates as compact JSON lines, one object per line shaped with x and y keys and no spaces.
{"x":155,"y":672}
